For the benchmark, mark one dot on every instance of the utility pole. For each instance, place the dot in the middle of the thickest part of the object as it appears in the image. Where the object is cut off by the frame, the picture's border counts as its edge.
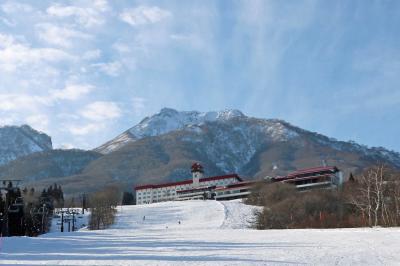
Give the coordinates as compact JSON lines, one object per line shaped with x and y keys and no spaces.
{"x":43,"y":214}
{"x":69,"y":220}
{"x":62,"y":220}
{"x":73,"y":220}
{"x":83,"y":203}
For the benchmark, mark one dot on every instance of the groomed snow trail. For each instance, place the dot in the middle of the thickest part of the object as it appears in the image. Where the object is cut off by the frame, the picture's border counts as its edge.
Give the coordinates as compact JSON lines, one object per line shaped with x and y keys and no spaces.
{"x":206,"y":235}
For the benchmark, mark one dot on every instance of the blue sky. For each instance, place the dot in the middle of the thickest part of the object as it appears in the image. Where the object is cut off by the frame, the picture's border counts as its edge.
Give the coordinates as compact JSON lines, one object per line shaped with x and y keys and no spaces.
{"x":84,"y":71}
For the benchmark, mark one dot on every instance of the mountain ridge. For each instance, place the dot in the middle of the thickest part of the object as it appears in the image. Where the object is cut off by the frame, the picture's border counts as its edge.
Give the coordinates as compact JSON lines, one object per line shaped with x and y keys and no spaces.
{"x":162,"y":147}
{"x":278,"y":129}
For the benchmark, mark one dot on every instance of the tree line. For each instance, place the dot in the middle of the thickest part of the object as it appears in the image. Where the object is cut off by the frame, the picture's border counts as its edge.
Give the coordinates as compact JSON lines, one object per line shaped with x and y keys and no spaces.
{"x":371,"y":198}
{"x":26,"y":212}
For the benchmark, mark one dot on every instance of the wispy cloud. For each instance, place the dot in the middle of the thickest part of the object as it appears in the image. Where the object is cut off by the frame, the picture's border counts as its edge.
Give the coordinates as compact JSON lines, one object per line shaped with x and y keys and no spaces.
{"x":143,"y":15}
{"x":101,"y":111}
{"x":14,"y":54}
{"x":71,"y":92}
{"x":112,"y":68}
{"x":21,"y":102}
{"x":60,"y":35}
{"x":13,"y":7}
{"x":97,"y":59}
{"x":85,"y":129}
{"x":88,"y":15}
{"x":92,"y":54}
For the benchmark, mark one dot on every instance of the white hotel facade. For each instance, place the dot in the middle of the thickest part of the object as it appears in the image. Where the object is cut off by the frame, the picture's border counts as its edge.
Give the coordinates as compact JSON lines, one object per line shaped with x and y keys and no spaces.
{"x":199,"y":187}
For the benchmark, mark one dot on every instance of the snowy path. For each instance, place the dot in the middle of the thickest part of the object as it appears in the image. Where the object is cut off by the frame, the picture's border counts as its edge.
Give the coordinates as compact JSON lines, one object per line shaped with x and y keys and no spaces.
{"x":204,"y":237}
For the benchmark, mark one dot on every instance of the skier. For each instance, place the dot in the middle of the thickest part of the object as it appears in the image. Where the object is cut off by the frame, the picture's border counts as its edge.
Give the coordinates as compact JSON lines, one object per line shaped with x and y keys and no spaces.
{"x":144,"y":218}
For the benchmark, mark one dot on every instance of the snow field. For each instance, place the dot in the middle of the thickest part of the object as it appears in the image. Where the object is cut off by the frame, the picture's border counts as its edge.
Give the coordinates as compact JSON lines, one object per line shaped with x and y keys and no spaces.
{"x":210,"y":233}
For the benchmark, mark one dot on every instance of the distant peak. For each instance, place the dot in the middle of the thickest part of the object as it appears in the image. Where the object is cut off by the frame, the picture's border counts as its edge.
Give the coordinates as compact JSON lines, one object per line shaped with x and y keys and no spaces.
{"x":212,"y":115}
{"x":167,"y":110}
{"x":230,"y":113}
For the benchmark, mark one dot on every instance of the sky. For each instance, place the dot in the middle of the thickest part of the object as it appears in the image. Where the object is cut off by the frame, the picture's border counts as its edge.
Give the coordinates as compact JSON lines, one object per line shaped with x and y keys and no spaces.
{"x":85,"y":71}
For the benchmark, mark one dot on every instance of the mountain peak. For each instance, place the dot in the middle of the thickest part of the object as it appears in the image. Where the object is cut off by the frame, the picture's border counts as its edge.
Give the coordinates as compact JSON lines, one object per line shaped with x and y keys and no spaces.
{"x":169,"y":119}
{"x":225,"y":114}
{"x":167,"y":111}
{"x":17,"y":141}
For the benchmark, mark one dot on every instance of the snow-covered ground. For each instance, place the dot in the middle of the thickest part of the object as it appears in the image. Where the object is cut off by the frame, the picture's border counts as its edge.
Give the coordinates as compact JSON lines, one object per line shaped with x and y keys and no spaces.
{"x":209,"y":233}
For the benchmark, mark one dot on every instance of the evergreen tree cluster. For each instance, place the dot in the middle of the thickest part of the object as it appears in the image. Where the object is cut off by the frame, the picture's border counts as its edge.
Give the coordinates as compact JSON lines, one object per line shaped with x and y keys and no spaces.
{"x":128,"y":198}
{"x":26,"y":212}
{"x":53,"y":195}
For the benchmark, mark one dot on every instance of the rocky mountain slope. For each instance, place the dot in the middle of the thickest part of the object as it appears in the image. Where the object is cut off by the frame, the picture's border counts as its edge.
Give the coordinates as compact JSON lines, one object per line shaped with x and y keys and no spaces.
{"x":162,"y":147}
{"x":19,"y":141}
{"x":165,"y":121}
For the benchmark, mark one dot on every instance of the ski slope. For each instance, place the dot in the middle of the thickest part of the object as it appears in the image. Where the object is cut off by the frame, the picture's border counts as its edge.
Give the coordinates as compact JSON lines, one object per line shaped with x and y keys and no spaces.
{"x":202,"y":233}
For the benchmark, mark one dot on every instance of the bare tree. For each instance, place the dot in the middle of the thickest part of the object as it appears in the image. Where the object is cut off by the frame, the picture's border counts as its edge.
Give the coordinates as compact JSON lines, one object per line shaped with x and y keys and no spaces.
{"x":103,"y":208}
{"x":376,"y":197}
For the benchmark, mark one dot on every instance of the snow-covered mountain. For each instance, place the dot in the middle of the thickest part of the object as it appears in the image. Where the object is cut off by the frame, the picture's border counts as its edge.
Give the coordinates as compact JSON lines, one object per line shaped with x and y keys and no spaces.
{"x":230,"y":139}
{"x":19,"y":141}
{"x":168,"y":120}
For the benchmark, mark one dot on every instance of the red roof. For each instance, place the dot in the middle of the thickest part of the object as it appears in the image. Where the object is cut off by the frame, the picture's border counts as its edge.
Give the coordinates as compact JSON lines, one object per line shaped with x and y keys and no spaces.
{"x":307,"y":171}
{"x":189,"y":181}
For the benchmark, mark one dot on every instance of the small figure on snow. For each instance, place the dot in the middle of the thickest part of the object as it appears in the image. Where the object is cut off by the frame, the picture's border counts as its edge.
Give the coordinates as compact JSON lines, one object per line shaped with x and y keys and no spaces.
{"x":144,"y":218}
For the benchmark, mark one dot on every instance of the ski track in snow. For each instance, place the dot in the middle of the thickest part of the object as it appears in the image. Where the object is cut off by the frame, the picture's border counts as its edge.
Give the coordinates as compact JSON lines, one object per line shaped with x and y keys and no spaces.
{"x":210,"y":233}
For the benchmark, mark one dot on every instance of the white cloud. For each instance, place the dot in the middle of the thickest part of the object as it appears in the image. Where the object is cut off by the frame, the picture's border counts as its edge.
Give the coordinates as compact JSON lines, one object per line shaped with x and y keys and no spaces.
{"x":38,"y":121}
{"x":72,"y":92}
{"x":111,"y":69}
{"x":61,"y":36}
{"x":101,"y":110}
{"x":80,"y":130}
{"x":14,"y":54}
{"x":143,"y":15}
{"x":15,"y":101}
{"x":6,"y":40}
{"x":7,"y":119}
{"x":66,"y":146}
{"x":33,"y":102}
{"x":13,"y":7}
{"x":88,"y":15}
